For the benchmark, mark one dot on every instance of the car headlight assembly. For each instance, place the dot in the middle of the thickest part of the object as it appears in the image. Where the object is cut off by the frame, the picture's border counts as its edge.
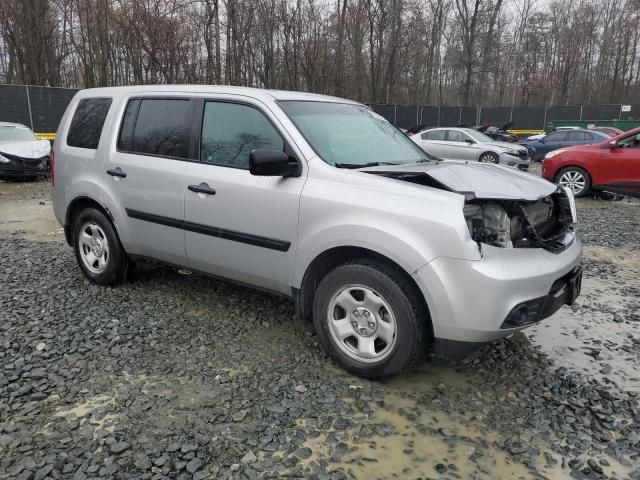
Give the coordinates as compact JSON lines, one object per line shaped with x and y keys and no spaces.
{"x":572,"y":204}
{"x":553,"y":153}
{"x":489,"y":224}
{"x":510,"y":151}
{"x":4,"y":159}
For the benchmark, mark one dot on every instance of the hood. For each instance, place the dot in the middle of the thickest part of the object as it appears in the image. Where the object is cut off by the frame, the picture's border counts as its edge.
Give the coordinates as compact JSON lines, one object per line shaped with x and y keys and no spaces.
{"x":483,"y":180}
{"x":26,"y":149}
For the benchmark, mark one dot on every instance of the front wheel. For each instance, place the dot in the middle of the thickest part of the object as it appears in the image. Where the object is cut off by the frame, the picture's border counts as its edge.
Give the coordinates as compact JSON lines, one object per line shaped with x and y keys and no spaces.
{"x":97,"y":247}
{"x":369,"y":319}
{"x":576,"y":179}
{"x":489,"y":157}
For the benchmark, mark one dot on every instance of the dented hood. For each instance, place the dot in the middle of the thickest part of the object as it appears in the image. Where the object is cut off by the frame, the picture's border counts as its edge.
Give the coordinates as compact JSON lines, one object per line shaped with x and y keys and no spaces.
{"x":482,"y":179}
{"x":26,"y":148}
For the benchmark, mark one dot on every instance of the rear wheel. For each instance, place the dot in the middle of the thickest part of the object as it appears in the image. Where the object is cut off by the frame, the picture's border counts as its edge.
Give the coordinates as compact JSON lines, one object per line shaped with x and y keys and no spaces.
{"x":489,"y":157}
{"x":369,"y":319}
{"x":576,"y":179}
{"x":97,"y":247}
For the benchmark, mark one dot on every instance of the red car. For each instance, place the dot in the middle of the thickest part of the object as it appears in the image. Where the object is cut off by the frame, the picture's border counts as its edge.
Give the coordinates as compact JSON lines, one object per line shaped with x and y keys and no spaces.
{"x":613,"y":165}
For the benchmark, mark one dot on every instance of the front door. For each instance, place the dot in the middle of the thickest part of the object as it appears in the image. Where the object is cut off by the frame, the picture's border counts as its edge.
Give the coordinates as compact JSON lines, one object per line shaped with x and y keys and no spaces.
{"x":461,"y":146}
{"x":619,"y":168}
{"x":240,"y":226}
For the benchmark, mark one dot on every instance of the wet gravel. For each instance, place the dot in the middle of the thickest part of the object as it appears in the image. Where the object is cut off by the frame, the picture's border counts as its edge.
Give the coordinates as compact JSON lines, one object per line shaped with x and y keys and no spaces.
{"x":182,"y":376}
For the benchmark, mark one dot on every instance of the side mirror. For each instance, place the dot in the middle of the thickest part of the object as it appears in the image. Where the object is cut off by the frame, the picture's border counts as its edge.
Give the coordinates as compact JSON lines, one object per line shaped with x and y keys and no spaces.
{"x":272,"y":163}
{"x":613,"y":144}
{"x":469,"y":141}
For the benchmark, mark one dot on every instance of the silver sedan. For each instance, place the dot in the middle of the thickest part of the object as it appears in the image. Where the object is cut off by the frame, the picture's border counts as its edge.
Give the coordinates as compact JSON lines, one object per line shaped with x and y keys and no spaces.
{"x":469,"y":144}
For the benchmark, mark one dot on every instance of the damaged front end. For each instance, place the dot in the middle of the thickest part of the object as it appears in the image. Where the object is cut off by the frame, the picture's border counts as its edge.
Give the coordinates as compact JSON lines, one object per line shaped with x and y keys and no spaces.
{"x":545,"y":223}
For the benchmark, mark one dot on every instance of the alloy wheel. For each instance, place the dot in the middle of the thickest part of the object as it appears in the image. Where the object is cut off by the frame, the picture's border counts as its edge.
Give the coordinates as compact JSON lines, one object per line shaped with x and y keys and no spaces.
{"x":574,"y":180}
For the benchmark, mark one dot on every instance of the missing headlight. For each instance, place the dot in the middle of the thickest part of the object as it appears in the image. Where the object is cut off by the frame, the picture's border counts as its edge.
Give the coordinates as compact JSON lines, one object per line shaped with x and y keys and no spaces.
{"x":488,"y":223}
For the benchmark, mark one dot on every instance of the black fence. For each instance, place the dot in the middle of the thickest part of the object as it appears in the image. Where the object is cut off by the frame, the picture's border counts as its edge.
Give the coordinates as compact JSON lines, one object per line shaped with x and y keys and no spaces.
{"x":42,"y":107}
{"x":523,"y":118}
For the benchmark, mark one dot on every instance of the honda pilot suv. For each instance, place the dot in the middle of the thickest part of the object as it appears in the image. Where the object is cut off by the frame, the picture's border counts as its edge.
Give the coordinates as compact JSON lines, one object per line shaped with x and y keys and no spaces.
{"x":387,"y":250}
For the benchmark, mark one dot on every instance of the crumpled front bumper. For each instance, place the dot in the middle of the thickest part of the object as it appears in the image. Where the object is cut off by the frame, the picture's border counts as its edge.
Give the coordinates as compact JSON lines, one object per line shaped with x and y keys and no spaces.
{"x":469,"y":300}
{"x":514,"y":161}
{"x":24,"y":167}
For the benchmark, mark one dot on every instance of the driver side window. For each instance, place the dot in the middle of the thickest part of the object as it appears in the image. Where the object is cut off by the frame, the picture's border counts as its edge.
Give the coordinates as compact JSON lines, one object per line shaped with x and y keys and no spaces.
{"x":632,"y":141}
{"x":456,"y":136}
{"x":555,"y":137}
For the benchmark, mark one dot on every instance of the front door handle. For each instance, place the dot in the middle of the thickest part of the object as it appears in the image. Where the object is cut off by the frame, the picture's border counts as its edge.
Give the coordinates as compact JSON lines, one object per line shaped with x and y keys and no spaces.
{"x":117,"y":172}
{"x":202,"y":188}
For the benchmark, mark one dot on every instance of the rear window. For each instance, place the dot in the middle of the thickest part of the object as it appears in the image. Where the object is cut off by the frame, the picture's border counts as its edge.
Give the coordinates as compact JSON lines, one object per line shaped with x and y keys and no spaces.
{"x":156,"y":127}
{"x":87,"y":122}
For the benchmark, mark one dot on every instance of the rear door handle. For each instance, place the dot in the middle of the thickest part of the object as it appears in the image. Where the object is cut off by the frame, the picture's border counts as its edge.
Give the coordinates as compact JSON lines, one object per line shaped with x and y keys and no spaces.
{"x":202,"y":188}
{"x":117,"y":172}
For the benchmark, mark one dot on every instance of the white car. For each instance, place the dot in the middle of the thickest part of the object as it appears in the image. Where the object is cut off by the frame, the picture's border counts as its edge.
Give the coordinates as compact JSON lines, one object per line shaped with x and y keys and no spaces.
{"x":386,"y":249}
{"x":471,"y":145}
{"x":22,"y":154}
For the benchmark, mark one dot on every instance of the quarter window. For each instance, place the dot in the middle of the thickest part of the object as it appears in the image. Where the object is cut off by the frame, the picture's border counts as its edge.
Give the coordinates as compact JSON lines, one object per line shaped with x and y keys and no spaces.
{"x":88,"y":120}
{"x":156,"y":127}
{"x":230,"y":131}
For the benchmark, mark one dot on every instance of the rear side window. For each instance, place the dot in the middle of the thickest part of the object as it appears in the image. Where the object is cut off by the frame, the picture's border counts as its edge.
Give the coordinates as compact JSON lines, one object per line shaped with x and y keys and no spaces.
{"x":434,"y":135}
{"x":156,"y":127}
{"x":88,"y":120}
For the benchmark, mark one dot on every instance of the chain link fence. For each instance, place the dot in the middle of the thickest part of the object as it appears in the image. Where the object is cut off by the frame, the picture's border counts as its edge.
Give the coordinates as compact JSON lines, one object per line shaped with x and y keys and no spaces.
{"x":41,"y":108}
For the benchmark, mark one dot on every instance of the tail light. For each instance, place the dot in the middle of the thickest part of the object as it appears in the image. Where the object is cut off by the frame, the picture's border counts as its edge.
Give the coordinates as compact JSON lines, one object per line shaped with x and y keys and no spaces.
{"x":52,"y":162}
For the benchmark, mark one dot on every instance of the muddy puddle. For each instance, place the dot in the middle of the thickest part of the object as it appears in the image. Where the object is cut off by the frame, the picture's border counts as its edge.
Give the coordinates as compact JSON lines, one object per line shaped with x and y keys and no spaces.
{"x":587,"y":338}
{"x":26,"y":210}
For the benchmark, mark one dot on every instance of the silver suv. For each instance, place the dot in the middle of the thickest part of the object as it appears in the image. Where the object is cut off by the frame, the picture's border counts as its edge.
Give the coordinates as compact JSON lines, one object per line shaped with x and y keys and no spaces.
{"x":386,"y":249}
{"x":469,"y":144}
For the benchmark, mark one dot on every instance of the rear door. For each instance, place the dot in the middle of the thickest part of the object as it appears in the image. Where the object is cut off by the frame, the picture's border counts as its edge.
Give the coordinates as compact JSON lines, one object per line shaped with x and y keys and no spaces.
{"x":434,"y":142}
{"x":243,"y":227}
{"x":619,"y":168}
{"x":147,"y":174}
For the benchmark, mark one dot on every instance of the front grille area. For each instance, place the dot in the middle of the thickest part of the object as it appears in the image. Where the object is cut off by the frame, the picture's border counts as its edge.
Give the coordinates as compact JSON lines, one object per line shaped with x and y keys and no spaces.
{"x":21,"y":165}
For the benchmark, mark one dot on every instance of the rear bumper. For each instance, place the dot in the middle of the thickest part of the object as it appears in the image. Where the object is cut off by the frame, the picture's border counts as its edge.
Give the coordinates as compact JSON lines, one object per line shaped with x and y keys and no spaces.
{"x":470,"y":301}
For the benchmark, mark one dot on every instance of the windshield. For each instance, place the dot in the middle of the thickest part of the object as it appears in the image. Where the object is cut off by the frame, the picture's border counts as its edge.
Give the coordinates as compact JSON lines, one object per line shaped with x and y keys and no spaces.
{"x":479,"y":136}
{"x":347,"y":135}
{"x":17,"y":134}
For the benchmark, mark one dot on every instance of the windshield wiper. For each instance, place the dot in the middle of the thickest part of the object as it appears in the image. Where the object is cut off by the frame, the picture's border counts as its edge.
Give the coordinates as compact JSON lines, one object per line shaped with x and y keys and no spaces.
{"x":363,"y":165}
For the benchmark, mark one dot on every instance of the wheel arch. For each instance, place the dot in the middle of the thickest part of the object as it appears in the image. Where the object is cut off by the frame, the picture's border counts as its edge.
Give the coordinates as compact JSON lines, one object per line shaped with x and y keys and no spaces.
{"x":333,"y":257}
{"x":76,"y":206}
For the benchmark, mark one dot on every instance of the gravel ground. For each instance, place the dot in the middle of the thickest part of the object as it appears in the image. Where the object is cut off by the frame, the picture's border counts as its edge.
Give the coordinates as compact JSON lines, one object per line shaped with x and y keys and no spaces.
{"x":181,"y":376}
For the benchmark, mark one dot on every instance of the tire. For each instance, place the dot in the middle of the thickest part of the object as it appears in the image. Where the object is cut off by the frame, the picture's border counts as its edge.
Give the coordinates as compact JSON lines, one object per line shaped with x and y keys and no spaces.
{"x":111,"y":262}
{"x":394,"y":340}
{"x":576,"y":178}
{"x":489,"y":157}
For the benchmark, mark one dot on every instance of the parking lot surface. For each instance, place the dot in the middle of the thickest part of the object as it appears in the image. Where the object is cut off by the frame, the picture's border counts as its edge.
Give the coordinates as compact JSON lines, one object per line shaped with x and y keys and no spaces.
{"x":177,"y":375}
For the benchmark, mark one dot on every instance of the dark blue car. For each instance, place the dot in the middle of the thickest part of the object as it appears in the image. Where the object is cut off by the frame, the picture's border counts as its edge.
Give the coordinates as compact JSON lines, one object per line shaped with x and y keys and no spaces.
{"x":565,"y":138}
